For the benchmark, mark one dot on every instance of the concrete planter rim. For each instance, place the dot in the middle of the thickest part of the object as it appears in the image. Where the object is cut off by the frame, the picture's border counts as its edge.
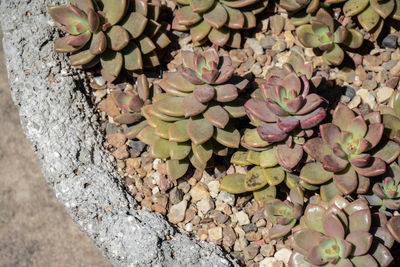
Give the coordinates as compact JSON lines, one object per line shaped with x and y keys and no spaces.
{"x":61,"y":126}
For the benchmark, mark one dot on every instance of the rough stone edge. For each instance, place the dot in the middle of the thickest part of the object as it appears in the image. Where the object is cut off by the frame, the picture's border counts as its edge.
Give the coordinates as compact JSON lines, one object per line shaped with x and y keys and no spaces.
{"x":60,"y":124}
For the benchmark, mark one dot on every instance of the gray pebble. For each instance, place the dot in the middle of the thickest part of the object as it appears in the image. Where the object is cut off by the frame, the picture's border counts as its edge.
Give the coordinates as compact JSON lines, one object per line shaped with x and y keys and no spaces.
{"x":390,"y":41}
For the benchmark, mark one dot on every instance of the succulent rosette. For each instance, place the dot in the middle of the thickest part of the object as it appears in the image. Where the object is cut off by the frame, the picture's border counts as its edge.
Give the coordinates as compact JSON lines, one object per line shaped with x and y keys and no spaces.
{"x":284,"y":112}
{"x":192,"y":120}
{"x":350,"y":150}
{"x":323,"y":34}
{"x":124,"y":106}
{"x":387,"y":193}
{"x":219,"y":21}
{"x":284,"y":214}
{"x":117,"y":34}
{"x":337,"y":233}
{"x":391,"y":117}
{"x":371,"y":14}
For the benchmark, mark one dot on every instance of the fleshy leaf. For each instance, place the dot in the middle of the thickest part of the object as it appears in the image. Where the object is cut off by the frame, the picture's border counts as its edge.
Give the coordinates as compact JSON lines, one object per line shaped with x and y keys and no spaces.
{"x":114,"y":10}
{"x":160,"y":149}
{"x":265,"y":194}
{"x":255,"y":179}
{"x":179,"y":151}
{"x":199,"y":130}
{"x":217,"y":116}
{"x":361,"y":240}
{"x":314,"y":173}
{"x":233,"y":183}
{"x":368,"y":19}
{"x":274,"y":175}
{"x":177,"y":168}
{"x":229,"y":136}
{"x":289,"y":157}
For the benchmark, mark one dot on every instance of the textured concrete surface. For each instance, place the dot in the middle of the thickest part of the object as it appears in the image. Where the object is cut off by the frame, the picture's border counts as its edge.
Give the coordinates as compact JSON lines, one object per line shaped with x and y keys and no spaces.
{"x":35,"y":229}
{"x":61,"y":126}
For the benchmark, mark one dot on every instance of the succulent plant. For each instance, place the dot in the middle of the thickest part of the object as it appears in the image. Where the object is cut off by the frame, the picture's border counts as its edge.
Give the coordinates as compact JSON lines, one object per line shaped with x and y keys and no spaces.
{"x":118,"y":34}
{"x":284,"y":214}
{"x":284,"y":112}
{"x":124,"y":106}
{"x":349,"y":151}
{"x":387,"y":193}
{"x":192,"y":119}
{"x":391,"y":117}
{"x":323,"y":34}
{"x":337,"y":233}
{"x":372,"y":13}
{"x":219,"y":21}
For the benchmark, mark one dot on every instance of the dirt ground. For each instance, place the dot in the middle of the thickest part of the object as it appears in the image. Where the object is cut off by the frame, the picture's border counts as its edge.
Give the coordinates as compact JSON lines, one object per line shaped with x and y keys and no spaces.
{"x":35,"y":230}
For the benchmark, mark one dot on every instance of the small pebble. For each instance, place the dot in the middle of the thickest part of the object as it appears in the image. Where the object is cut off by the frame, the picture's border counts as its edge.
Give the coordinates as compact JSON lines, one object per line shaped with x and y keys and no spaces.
{"x":354,"y":102}
{"x":226,"y":197}
{"x":349,"y":92}
{"x":242,"y":218}
{"x":255,"y":46}
{"x":249,"y":227}
{"x":267,"y":250}
{"x":205,"y":205}
{"x":267,"y":42}
{"x":215,"y":234}
{"x":229,"y":236}
{"x":383,"y":94}
{"x":279,"y":46}
{"x":367,"y":98}
{"x":177,"y":212}
{"x":283,"y":255}
{"x":137,"y":145}
{"x":369,"y":84}
{"x":121,"y":153}
{"x":250,"y":252}
{"x":99,"y":80}
{"x":277,"y":22}
{"x":213,"y":186}
{"x":198,"y":192}
{"x":390,"y":64}
{"x":268,"y":262}
{"x":116,"y":139}
{"x":390,"y":41}
{"x":240,"y":244}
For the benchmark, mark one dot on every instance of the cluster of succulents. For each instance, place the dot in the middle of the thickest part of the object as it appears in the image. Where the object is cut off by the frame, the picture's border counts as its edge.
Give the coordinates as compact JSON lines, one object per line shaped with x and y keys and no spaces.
{"x":292,"y":145}
{"x":285,"y":112}
{"x":372,"y":13}
{"x":218,"y":21}
{"x":194,"y":118}
{"x":117,"y":34}
{"x":339,"y":233}
{"x":323,"y":34}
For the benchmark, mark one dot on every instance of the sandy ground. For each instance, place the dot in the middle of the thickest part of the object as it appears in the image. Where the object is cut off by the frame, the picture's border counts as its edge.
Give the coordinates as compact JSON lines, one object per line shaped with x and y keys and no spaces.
{"x":35,"y":230}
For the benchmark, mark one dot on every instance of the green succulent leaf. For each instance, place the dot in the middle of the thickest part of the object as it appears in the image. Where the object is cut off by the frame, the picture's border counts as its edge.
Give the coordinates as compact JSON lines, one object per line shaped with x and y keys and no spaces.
{"x":177,"y":168}
{"x":233,"y":183}
{"x":314,"y":173}
{"x":255,"y":179}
